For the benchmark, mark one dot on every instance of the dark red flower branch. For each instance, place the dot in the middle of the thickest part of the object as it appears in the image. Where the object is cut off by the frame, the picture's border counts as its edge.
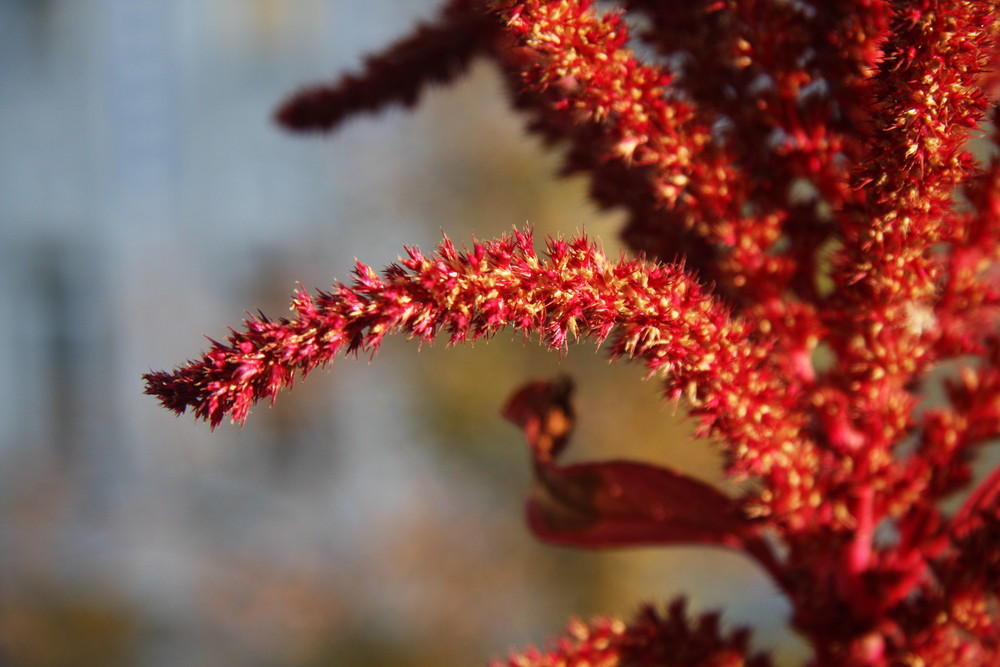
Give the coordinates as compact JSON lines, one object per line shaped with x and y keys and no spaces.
{"x":957,"y":624}
{"x":436,"y":53}
{"x":645,"y":148}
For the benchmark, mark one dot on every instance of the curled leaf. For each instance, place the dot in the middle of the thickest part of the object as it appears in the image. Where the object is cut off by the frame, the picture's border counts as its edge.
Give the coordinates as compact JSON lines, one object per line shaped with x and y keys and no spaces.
{"x":612,"y":503}
{"x":544,"y":412}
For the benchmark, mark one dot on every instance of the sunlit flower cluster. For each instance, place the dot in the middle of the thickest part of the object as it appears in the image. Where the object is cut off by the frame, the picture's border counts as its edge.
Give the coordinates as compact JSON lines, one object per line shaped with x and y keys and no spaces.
{"x":814,"y":245}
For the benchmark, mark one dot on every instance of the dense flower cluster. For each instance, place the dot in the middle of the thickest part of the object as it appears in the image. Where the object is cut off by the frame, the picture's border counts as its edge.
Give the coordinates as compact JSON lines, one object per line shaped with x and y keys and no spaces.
{"x":651,"y":639}
{"x":807,"y":159}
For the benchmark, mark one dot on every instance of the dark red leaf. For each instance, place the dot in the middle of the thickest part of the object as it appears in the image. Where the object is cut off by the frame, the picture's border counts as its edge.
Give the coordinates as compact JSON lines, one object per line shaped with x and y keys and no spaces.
{"x":612,"y":503}
{"x":622,"y":503}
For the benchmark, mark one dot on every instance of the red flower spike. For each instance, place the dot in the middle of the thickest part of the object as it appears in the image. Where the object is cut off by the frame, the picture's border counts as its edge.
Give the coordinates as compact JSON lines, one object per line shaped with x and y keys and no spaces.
{"x":660,"y":314}
{"x":807,"y":160}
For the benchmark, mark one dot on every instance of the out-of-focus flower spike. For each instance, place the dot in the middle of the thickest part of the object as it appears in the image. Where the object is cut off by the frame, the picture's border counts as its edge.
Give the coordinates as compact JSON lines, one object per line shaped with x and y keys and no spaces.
{"x":583,"y":85}
{"x":650,"y":638}
{"x":436,"y":53}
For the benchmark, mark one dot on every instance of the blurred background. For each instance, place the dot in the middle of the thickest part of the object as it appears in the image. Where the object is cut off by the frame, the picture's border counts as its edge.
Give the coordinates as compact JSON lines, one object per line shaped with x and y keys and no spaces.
{"x":373,"y":516}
